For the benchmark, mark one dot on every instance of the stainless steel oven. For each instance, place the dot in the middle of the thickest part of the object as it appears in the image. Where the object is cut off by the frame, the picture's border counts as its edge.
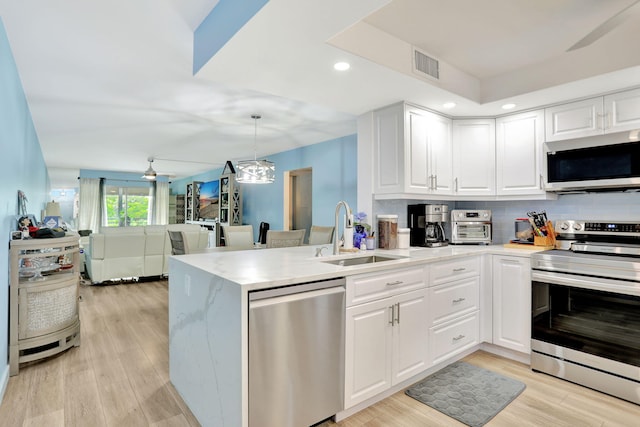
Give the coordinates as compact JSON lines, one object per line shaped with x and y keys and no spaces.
{"x":586,"y":307}
{"x":471,"y":227}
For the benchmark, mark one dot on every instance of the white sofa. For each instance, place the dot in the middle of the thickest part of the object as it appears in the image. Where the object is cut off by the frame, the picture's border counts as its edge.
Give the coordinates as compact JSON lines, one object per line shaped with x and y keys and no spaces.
{"x":116,"y":253}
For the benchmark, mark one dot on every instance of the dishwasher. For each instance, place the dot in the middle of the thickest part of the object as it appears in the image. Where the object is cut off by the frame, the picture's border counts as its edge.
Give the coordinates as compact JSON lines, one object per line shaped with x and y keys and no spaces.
{"x":296,"y":354}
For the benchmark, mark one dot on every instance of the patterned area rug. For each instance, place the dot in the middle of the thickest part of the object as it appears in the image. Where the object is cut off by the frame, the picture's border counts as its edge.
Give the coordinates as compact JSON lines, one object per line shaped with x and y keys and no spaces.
{"x":470,"y":394}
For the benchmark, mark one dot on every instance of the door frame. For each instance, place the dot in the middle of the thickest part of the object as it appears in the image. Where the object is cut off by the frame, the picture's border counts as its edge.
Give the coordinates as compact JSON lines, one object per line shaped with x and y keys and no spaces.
{"x":287,"y":208}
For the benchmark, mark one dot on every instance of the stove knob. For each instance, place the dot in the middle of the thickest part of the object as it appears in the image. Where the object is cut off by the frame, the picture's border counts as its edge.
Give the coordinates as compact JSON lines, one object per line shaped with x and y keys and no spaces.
{"x":564,"y":226}
{"x":485,"y":215}
{"x":577,"y":226}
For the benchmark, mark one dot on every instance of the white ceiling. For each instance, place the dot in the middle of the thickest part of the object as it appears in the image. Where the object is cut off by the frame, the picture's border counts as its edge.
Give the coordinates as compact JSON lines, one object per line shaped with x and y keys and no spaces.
{"x":110,"y":83}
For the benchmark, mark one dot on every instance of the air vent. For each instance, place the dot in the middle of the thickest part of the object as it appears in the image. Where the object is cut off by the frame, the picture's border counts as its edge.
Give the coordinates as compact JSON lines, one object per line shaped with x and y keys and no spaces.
{"x":425,"y":65}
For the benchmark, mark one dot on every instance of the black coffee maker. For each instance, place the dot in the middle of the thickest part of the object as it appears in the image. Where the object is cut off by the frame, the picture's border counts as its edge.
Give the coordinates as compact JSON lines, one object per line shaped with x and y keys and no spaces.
{"x":426,"y":225}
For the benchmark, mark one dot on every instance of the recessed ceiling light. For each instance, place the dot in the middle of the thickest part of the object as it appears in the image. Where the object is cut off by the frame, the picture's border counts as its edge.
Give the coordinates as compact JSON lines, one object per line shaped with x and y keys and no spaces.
{"x":448,"y":105}
{"x":341,"y":66}
{"x":508,"y":106}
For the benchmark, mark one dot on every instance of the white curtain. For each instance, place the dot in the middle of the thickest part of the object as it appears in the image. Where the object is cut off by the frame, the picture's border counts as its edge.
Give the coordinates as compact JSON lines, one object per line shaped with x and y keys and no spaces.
{"x":162,"y":203}
{"x":89,"y":210}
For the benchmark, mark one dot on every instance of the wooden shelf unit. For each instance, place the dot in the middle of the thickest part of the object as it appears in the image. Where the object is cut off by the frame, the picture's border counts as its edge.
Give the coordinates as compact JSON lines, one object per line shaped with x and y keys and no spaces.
{"x":44,"y":277}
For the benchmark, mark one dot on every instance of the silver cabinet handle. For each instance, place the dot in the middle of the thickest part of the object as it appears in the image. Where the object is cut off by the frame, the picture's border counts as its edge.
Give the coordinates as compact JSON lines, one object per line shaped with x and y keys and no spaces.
{"x":392,"y":309}
{"x":398,"y":314}
{"x":397,"y":282}
{"x":432,"y":182}
{"x":609,"y":120}
{"x":541,"y":183}
{"x":456,"y":301}
{"x":457,"y":270}
{"x":455,"y":182}
{"x":458,"y":338}
{"x":435,"y":185}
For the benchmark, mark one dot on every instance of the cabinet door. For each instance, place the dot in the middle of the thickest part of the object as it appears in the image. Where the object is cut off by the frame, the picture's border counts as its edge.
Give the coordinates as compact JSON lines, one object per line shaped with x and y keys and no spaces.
{"x":440,"y":152}
{"x":512,"y":302}
{"x":410,"y":355}
{"x":519,"y":154}
{"x":419,"y":173}
{"x":474,"y":157}
{"x":622,"y":111}
{"x":388,"y":137}
{"x":367,"y":350}
{"x":574,"y":120}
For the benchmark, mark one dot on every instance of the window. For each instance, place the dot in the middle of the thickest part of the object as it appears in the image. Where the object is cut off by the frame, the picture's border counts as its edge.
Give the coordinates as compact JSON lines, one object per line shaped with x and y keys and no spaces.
{"x":128,"y":206}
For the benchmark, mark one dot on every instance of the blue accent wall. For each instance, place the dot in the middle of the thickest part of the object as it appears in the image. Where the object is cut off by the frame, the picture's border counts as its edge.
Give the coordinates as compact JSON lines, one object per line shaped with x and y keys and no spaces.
{"x":334,"y":178}
{"x":22,"y":167}
{"x":222,"y":23}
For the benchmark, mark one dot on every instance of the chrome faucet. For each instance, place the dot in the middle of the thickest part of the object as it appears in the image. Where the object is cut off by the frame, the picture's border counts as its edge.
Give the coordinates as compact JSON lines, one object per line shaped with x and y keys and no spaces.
{"x":348,"y":224}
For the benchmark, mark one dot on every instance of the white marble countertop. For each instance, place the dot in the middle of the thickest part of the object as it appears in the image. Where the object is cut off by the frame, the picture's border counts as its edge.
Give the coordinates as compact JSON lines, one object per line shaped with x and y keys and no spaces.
{"x":263,"y":268}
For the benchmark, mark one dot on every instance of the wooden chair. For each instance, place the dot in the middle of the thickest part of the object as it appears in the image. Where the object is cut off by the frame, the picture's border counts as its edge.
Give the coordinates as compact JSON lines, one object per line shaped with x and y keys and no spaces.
{"x":285,"y":239}
{"x":179,"y":245}
{"x":320,"y":235}
{"x":238,"y":236}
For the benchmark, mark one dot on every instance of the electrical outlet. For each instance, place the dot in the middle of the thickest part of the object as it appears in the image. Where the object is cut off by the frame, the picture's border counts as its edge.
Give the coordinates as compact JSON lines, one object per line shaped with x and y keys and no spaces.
{"x":187,"y":285}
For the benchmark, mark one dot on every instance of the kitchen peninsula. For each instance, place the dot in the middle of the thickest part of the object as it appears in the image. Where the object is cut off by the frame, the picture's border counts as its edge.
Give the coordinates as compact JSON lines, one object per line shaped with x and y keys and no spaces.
{"x":209,"y":313}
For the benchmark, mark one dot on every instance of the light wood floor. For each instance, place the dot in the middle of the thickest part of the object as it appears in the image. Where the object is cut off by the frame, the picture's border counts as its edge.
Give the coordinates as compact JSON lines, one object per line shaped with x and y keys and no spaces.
{"x":119,"y":376}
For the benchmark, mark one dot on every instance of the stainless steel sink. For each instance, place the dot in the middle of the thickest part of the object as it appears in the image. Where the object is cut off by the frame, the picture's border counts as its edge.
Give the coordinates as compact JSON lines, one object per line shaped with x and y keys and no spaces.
{"x":369,"y":259}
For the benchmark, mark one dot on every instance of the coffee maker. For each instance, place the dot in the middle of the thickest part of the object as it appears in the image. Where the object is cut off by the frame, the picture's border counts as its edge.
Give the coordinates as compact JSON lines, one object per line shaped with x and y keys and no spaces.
{"x":426,"y":225}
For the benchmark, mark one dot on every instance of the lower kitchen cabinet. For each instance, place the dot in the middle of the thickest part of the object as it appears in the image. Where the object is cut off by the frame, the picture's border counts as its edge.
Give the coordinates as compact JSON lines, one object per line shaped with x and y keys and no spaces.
{"x":451,"y":338}
{"x":386,"y":343}
{"x":512,"y":302}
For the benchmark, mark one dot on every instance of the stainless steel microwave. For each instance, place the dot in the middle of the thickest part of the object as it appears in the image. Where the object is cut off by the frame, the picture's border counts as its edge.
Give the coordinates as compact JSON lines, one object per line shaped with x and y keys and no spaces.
{"x":595,"y":163}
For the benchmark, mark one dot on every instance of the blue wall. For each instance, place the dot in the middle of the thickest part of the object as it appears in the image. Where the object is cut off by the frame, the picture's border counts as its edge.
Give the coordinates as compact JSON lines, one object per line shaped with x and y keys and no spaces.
{"x":334,"y":178}
{"x":22,"y":167}
{"x":222,"y":23}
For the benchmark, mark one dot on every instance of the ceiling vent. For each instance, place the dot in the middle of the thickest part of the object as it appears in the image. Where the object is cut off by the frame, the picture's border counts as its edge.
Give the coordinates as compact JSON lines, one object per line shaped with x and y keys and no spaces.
{"x":425,"y":65}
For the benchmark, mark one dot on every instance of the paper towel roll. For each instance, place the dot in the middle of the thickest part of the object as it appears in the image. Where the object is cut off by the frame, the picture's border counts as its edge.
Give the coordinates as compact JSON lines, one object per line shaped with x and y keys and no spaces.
{"x":348,"y":238}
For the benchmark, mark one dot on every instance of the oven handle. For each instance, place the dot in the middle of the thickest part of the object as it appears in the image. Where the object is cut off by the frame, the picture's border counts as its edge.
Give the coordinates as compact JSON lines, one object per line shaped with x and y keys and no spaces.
{"x":586,"y":282}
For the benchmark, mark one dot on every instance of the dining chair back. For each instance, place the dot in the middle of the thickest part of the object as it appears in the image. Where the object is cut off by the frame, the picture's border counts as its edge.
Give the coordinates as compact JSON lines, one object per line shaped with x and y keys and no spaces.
{"x":320,"y":235}
{"x":179,"y":245}
{"x":285,"y":239}
{"x":238,"y":236}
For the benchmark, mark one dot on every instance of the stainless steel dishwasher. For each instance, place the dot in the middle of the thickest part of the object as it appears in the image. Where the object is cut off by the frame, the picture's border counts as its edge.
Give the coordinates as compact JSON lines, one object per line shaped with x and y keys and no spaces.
{"x":296,"y":354}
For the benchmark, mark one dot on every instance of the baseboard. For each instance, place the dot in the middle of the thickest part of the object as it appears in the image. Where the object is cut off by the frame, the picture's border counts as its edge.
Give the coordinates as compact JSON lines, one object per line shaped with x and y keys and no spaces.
{"x":506,"y":353}
{"x":4,"y":380}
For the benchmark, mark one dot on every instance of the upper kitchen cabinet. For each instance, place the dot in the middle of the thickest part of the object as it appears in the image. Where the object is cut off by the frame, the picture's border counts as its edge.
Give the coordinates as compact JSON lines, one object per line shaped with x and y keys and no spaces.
{"x":412,"y":151}
{"x":474,"y":160}
{"x":519,"y":152}
{"x":617,"y":112}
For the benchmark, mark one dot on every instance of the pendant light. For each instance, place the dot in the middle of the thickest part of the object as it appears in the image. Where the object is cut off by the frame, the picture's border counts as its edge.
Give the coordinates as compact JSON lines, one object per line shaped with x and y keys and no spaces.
{"x":150,"y":174}
{"x":255,"y":171}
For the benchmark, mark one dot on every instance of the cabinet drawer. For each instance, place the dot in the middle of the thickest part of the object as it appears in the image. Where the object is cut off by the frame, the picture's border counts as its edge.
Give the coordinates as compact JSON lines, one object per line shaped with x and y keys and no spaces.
{"x":451,"y":338}
{"x":446,"y":271}
{"x":370,"y":287}
{"x":453,"y":299}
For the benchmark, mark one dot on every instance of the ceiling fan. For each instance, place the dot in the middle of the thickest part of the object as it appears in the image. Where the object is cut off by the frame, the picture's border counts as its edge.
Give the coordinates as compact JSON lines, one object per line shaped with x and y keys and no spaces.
{"x":150,"y":174}
{"x":607,"y":26}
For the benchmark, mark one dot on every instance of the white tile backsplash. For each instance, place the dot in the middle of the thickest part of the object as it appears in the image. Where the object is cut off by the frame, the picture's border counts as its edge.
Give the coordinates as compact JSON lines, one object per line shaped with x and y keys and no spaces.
{"x":610,"y":206}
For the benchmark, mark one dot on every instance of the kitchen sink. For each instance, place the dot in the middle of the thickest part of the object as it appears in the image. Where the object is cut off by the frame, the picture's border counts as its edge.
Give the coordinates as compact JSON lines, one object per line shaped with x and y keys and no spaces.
{"x":369,"y":259}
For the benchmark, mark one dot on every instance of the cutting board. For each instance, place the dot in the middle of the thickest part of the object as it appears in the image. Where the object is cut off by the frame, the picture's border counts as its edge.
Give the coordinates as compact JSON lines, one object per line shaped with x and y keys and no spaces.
{"x":525,"y":246}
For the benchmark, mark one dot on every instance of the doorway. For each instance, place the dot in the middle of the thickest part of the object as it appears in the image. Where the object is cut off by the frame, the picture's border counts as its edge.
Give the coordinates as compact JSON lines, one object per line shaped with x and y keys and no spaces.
{"x":298,"y":200}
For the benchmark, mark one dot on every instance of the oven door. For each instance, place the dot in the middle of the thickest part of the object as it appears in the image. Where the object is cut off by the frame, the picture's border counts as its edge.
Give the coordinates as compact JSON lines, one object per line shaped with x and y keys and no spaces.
{"x":471,"y":232}
{"x":593,"y":316}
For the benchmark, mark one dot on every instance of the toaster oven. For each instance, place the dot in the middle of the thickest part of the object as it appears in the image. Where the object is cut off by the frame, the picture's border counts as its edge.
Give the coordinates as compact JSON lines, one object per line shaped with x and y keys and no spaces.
{"x":472,"y":227}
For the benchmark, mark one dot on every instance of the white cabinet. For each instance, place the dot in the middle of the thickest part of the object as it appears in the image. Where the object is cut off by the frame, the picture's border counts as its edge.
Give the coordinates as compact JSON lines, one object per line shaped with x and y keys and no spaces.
{"x":594,"y":116}
{"x":474,"y":148}
{"x":512,"y":302}
{"x":412,"y":151}
{"x":519,"y":154}
{"x":386,"y":339}
{"x":454,"y":301}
